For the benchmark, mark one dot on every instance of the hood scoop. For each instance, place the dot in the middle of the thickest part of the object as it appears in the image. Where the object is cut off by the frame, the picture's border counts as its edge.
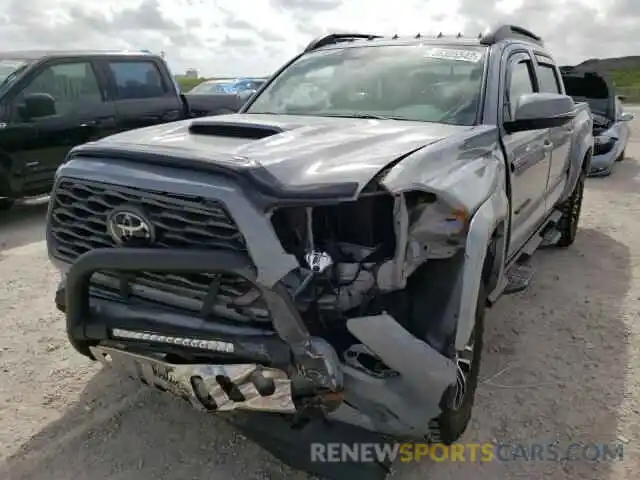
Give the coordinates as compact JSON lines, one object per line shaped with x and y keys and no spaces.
{"x":219,"y":128}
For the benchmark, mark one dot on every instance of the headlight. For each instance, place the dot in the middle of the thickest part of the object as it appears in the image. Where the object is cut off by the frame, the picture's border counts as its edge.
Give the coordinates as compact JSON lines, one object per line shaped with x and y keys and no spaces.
{"x":601,"y":139}
{"x":603,"y":143}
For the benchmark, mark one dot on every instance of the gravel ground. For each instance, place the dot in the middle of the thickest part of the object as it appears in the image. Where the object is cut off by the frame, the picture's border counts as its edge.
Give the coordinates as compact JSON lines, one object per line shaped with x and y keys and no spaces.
{"x":562,"y":362}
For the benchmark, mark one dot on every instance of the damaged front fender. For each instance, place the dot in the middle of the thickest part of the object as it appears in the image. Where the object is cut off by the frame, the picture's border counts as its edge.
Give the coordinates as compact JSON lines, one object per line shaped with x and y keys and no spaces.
{"x":471,"y":179}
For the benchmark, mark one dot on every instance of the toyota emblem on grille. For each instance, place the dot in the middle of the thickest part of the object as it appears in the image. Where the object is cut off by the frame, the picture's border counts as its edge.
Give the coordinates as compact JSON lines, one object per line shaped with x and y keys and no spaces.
{"x":129,"y":227}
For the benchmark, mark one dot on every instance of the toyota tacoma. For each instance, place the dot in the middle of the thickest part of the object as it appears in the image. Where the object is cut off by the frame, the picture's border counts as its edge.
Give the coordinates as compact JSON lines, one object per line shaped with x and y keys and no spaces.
{"x":328,"y":252}
{"x":52,"y":101}
{"x":611,"y":124}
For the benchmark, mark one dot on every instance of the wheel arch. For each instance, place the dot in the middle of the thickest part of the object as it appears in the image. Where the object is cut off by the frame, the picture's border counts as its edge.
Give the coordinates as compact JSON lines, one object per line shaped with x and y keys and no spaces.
{"x":486,"y":233}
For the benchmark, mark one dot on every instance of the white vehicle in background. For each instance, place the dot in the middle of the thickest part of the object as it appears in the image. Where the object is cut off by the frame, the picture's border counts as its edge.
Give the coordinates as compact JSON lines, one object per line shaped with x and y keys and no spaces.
{"x":611,"y":128}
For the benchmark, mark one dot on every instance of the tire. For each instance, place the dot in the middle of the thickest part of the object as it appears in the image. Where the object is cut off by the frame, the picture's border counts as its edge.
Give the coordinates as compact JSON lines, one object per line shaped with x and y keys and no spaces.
{"x":621,"y":156}
{"x":571,"y":208}
{"x":457,"y":405}
{"x":6,"y":204}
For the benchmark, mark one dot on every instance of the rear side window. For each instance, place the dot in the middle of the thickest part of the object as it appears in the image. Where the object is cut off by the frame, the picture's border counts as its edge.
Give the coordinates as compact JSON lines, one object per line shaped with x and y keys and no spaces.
{"x":137,"y":80}
{"x":547,"y":78}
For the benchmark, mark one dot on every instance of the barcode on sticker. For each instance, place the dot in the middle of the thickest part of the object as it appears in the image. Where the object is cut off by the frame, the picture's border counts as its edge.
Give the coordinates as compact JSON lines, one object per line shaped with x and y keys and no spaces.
{"x":453,"y":54}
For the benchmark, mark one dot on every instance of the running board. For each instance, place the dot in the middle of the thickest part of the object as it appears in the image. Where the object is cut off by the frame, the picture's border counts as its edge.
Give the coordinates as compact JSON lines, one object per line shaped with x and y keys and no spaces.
{"x":551,"y":237}
{"x":518,"y":278}
{"x":519,"y":273}
{"x":545,"y":234}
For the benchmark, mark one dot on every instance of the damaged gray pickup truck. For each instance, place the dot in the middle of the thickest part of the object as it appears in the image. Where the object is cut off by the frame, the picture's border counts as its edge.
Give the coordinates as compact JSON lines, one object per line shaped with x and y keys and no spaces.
{"x":329,"y":251}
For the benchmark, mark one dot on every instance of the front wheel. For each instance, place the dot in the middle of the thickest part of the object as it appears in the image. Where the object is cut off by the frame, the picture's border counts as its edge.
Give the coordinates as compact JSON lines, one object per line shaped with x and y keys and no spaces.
{"x":457,"y":401}
{"x":571,"y":207}
{"x":621,"y":156}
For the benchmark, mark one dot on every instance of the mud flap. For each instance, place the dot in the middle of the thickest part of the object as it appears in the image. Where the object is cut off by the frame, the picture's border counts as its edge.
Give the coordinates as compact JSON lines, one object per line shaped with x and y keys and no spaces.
{"x":293,"y":447}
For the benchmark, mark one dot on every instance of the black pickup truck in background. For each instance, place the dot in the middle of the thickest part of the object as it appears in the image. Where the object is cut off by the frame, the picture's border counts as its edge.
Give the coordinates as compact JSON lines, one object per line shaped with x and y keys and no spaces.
{"x":53,"y":101}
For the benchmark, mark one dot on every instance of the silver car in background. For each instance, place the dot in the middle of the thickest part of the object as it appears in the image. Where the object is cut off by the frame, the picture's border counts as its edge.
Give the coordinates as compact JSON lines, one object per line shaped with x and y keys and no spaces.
{"x":610,"y":122}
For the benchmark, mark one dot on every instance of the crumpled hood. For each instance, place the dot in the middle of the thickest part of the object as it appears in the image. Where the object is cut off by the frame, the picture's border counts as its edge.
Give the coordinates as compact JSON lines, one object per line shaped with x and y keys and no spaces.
{"x":297,"y":151}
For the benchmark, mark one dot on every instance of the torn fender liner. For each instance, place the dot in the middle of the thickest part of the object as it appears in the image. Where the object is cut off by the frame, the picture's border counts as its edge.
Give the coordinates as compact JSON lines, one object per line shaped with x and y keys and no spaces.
{"x":426,"y":371}
{"x":293,"y":447}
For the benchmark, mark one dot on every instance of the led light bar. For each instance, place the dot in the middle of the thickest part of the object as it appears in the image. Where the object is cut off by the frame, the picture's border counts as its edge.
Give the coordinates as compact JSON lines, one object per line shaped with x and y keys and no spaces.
{"x":213,"y":345}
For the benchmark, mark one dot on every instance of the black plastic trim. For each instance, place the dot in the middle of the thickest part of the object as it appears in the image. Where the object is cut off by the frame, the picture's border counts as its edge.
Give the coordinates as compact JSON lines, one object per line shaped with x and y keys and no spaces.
{"x":256,"y":176}
{"x":333,"y":38}
{"x":312,"y":356}
{"x":510,"y":32}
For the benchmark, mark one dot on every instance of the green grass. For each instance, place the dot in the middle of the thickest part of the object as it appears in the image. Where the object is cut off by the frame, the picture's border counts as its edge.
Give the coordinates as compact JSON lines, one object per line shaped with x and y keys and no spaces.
{"x":628,"y":84}
{"x":187,"y":83}
{"x":626,"y":78}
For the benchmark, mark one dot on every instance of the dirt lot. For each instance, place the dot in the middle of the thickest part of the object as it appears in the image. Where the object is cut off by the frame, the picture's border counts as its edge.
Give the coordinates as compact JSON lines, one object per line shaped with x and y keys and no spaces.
{"x":562,"y":362}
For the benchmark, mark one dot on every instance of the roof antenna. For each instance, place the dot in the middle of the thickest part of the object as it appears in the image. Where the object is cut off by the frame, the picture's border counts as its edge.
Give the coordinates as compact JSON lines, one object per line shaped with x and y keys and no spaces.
{"x":479,"y":35}
{"x":418,"y":36}
{"x":440,"y":35}
{"x":459,"y":35}
{"x":395,"y":36}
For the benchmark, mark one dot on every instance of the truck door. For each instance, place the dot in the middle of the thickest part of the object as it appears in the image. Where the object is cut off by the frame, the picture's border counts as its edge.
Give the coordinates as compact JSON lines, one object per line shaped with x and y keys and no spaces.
{"x":40,"y":140}
{"x":528,"y":156}
{"x":549,"y":81}
{"x":144,"y":94}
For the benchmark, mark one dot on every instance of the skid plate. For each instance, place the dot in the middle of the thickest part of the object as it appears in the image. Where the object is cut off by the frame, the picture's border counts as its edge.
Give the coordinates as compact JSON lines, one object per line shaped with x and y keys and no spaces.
{"x":207,"y":387}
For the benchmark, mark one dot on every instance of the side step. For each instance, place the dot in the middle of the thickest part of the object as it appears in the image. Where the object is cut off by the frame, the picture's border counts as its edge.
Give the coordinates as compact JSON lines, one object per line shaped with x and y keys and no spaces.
{"x":518,"y":278}
{"x":550,"y":237}
{"x":518,"y":274}
{"x":546,"y":234}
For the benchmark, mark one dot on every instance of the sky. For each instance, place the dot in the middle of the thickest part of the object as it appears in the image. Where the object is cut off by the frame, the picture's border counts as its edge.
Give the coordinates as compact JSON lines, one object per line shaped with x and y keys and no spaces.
{"x":255,"y":37}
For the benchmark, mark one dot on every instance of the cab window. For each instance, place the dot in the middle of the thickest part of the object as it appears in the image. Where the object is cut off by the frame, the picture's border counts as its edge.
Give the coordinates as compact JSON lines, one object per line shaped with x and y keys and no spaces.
{"x":137,"y":80}
{"x":72,"y":85}
{"x":520,"y":83}
{"x":547,"y":78}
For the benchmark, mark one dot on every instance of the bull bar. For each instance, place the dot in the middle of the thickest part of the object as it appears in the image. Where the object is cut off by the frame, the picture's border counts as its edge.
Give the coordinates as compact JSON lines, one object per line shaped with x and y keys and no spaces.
{"x":401,"y":405}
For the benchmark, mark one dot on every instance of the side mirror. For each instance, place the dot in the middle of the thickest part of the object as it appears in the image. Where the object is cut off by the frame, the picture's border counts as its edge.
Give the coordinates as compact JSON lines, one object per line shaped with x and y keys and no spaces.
{"x":622,"y":98}
{"x":535,"y":111}
{"x":245,"y":95}
{"x":626,"y":117}
{"x":37,"y":105}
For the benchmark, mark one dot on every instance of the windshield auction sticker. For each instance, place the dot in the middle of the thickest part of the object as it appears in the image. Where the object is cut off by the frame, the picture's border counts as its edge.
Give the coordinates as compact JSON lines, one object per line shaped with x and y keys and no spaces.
{"x":453,"y":54}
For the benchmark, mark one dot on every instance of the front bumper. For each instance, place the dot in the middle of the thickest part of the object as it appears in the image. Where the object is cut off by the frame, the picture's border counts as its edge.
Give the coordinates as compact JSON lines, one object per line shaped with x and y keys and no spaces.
{"x":604,"y":158}
{"x":308,"y":368}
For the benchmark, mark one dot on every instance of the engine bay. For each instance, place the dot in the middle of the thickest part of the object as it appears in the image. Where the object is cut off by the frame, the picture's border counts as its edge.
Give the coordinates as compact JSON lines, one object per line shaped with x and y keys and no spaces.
{"x":358,"y":257}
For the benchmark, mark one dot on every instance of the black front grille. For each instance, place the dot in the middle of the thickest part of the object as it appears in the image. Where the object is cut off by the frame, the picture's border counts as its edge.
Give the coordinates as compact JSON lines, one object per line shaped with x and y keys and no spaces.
{"x":78,"y":223}
{"x":80,"y":210}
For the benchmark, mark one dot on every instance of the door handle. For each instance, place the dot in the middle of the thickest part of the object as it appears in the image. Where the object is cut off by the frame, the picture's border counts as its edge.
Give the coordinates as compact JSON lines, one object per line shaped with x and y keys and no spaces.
{"x":99,"y":121}
{"x":171,"y":115}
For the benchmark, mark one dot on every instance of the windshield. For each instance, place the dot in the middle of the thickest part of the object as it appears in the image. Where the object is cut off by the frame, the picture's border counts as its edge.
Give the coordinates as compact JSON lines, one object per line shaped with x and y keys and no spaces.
{"x":9,"y":70}
{"x":591,"y":89}
{"x":599,"y":106}
{"x":417,"y":82}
